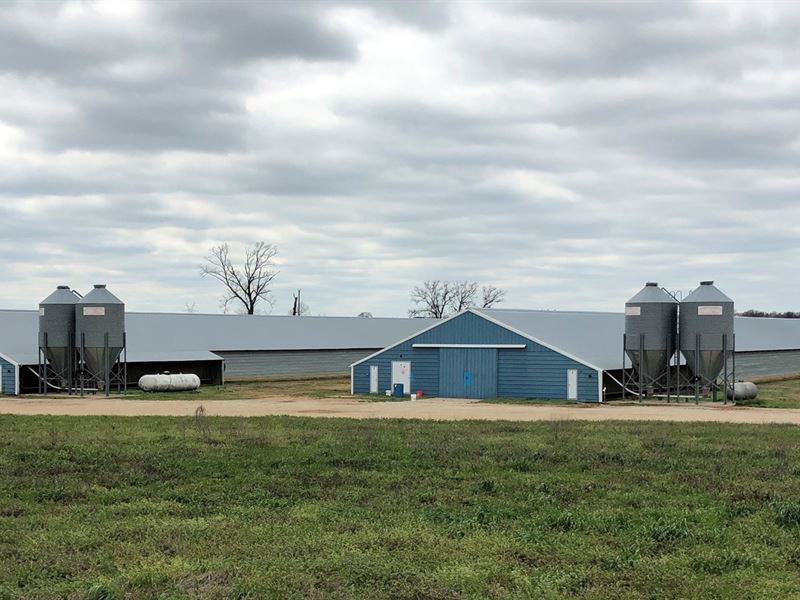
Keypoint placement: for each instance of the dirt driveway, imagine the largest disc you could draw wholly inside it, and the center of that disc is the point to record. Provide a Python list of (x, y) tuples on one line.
[(448, 410)]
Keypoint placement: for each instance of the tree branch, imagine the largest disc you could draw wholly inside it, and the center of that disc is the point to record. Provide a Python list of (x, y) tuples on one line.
[(247, 284)]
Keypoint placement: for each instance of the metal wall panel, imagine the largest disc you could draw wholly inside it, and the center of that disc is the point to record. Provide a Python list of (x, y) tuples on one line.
[(535, 372), (468, 373), (482, 367), (291, 362), (452, 362), (8, 377), (752, 365), (425, 371), (541, 373)]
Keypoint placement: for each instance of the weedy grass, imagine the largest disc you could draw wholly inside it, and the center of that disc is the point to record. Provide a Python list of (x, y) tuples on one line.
[(204, 507), (771, 394), (320, 387), (777, 394)]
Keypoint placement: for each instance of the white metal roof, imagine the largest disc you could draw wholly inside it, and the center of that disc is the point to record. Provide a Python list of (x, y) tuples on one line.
[(595, 338), (184, 336), (592, 338)]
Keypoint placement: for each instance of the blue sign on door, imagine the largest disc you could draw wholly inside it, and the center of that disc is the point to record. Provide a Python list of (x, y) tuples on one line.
[(467, 377)]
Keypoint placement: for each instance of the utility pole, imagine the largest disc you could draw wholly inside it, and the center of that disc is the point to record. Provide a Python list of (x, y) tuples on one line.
[(296, 308)]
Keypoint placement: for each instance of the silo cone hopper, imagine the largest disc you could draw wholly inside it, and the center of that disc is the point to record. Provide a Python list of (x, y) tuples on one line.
[(59, 363), (651, 363), (96, 364), (707, 365)]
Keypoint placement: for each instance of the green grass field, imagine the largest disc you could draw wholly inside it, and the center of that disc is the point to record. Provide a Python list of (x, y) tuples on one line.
[(772, 394), (160, 508), (320, 387), (777, 394)]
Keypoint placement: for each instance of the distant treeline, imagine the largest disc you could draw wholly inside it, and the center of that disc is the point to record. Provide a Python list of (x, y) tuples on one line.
[(775, 315)]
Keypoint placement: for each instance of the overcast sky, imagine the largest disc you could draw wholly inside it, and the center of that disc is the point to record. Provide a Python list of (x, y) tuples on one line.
[(567, 152)]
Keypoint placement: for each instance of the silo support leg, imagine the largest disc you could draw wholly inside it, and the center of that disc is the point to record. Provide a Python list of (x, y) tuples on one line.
[(697, 378), (725, 359), (106, 366), (641, 367)]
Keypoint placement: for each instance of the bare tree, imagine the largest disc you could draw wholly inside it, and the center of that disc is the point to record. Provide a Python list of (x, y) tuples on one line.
[(365, 315), (190, 307), (439, 298), (431, 300), (247, 284), (463, 295), (491, 296)]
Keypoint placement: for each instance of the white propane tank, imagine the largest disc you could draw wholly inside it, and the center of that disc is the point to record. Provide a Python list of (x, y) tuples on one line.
[(168, 382), (743, 390)]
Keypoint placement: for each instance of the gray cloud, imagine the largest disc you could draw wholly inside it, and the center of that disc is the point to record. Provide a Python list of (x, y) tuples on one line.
[(228, 33), (172, 77), (614, 39), (565, 151), (425, 14)]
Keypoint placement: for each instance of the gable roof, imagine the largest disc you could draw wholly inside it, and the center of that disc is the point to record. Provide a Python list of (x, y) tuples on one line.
[(176, 334), (595, 338), (432, 323), (520, 327), (588, 337)]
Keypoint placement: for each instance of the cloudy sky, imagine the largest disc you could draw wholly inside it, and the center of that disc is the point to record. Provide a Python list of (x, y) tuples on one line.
[(567, 152)]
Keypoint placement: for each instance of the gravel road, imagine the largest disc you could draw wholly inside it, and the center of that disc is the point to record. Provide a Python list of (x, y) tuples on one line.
[(447, 410)]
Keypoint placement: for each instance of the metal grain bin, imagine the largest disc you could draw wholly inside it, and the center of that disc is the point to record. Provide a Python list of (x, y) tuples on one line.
[(100, 325), (651, 320), (706, 324), (57, 330)]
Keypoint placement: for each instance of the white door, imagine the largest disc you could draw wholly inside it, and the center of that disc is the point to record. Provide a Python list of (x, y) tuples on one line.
[(373, 379), (572, 384), (401, 373)]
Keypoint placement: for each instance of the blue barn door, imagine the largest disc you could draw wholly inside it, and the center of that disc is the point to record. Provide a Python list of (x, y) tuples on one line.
[(468, 372), (451, 372), (482, 366)]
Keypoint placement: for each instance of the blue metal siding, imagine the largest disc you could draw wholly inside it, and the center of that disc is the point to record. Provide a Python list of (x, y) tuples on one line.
[(482, 367), (535, 372), (452, 362), (538, 372), (468, 372), (8, 377), (425, 371)]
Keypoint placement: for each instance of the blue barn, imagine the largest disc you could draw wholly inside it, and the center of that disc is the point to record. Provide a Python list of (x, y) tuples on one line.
[(8, 376), (487, 353)]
